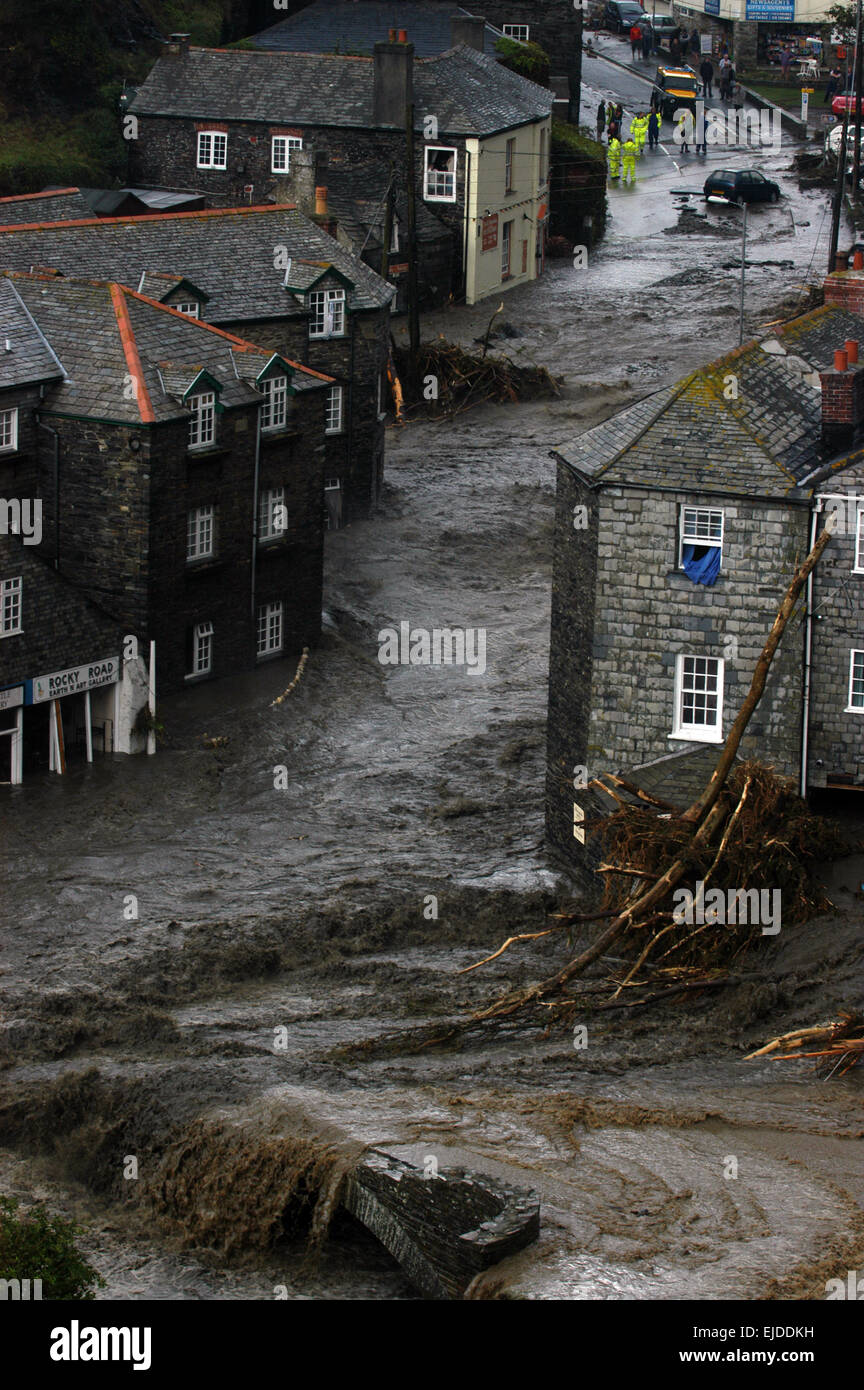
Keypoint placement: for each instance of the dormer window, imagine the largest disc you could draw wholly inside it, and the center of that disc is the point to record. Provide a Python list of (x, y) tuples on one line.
[(189, 307), (327, 314), (212, 149), (274, 411), (202, 426)]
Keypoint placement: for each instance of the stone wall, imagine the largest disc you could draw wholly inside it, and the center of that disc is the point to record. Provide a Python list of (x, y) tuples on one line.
[(836, 743), (612, 686)]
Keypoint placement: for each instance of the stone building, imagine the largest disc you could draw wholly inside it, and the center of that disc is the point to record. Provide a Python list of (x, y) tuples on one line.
[(180, 471), (270, 276), (679, 523), (240, 126)]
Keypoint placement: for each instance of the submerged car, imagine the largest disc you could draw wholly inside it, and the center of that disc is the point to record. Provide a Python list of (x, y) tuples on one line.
[(676, 89), (741, 186)]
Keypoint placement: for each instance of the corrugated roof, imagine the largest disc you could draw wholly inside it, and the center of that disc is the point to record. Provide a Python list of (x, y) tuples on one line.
[(751, 422), (229, 253), (468, 92)]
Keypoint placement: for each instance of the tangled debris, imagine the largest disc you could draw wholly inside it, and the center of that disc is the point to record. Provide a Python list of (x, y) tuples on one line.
[(298, 674), (447, 379), (747, 830), (837, 1047)]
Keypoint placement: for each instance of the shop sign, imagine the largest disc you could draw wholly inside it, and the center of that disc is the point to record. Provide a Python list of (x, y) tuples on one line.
[(490, 232), (87, 677), (768, 10), (12, 697)]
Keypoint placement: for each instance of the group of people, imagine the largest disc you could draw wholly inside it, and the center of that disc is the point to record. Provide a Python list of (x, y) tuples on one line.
[(622, 155), (683, 45), (642, 39)]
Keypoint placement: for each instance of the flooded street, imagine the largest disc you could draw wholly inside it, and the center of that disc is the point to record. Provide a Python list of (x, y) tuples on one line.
[(407, 844)]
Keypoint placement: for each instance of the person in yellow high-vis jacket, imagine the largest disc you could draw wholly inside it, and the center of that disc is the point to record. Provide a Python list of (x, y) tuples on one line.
[(614, 158), (628, 161), (639, 131)]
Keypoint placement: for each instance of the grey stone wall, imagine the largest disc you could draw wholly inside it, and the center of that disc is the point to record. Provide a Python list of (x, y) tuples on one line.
[(612, 685), (837, 736)]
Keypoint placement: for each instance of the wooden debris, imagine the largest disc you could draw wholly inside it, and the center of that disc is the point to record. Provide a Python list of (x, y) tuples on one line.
[(462, 379), (301, 667), (837, 1047)]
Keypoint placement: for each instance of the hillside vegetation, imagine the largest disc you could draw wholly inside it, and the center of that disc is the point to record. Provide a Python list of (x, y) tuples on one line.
[(64, 67)]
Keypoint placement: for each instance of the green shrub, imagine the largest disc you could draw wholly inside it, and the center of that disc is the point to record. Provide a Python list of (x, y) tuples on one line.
[(528, 59), (36, 1245)]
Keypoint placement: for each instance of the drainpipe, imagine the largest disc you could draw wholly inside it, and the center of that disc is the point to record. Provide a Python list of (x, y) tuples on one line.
[(255, 513), (56, 439), (466, 227), (808, 650), (350, 395)]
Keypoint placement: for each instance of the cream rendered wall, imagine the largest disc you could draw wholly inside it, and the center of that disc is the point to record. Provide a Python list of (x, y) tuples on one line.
[(486, 192)]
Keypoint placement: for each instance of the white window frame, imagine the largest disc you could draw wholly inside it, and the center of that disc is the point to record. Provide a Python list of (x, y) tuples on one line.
[(850, 708), (698, 531), (9, 430), (509, 161), (202, 651), (289, 144), (207, 150), (698, 733), (11, 607), (202, 426), (333, 412), (268, 528), (189, 307), (270, 629), (274, 411), (434, 180), (200, 533), (327, 314), (207, 157), (544, 176), (519, 32), (506, 250), (858, 567)]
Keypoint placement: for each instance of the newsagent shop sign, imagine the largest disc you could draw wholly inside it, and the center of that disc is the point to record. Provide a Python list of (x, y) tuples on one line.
[(87, 677)]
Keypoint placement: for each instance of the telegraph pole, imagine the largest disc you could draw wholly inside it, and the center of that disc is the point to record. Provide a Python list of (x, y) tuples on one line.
[(856, 158), (413, 310), (574, 67)]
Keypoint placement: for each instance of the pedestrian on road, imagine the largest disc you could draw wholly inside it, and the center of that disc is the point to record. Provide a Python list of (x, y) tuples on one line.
[(694, 43), (786, 61), (675, 50), (628, 160), (653, 130), (635, 41), (706, 72), (701, 143), (614, 156), (835, 81), (640, 132), (647, 40), (684, 119), (613, 129), (619, 116), (601, 119), (725, 68)]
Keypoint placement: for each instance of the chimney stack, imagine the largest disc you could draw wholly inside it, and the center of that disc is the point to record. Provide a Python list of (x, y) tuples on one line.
[(393, 83), (843, 398), (321, 201), (177, 46), (845, 289), (468, 29)]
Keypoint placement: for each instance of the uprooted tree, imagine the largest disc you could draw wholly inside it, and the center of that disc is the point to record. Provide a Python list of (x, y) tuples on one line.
[(748, 826)]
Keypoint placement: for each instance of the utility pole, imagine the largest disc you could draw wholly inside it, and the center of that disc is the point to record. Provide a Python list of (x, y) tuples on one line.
[(743, 267), (574, 69), (388, 225), (413, 310), (856, 159)]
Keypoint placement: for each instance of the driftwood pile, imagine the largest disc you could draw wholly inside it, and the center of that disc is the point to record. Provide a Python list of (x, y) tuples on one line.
[(447, 379), (837, 1047), (748, 829)]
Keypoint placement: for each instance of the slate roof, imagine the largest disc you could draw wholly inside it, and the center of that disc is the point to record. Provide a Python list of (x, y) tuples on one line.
[(31, 358), (107, 335), (765, 441), (469, 92), (347, 26), (227, 252), (53, 205), (356, 196)]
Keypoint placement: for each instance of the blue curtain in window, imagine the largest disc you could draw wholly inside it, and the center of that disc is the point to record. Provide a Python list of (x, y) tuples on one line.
[(704, 570)]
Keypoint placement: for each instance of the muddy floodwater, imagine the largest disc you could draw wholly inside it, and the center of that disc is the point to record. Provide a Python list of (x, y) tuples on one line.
[(193, 957)]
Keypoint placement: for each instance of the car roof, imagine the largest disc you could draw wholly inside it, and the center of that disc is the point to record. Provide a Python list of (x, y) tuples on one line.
[(677, 72)]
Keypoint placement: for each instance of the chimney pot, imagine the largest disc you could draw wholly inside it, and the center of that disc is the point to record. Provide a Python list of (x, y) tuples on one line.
[(403, 35), (841, 362), (321, 201), (392, 36), (851, 347), (858, 261)]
